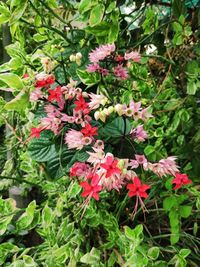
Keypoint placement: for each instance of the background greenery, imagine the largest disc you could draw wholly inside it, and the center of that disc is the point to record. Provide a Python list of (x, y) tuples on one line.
[(50, 231)]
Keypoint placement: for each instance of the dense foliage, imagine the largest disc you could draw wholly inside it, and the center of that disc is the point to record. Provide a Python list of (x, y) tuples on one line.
[(100, 99)]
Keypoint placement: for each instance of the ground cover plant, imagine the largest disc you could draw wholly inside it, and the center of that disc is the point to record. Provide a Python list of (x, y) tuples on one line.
[(100, 133)]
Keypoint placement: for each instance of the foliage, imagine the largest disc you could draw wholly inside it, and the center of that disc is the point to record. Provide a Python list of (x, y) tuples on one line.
[(57, 37)]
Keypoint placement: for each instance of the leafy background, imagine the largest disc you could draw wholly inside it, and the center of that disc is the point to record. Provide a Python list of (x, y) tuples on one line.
[(46, 228)]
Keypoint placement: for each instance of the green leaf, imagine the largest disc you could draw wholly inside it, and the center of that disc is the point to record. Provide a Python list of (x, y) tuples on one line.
[(4, 14), (169, 203), (27, 217), (185, 211), (19, 103), (42, 149), (47, 216), (84, 6), (178, 7), (12, 80), (117, 128), (184, 252), (87, 78), (191, 87), (96, 14), (133, 234), (93, 257), (174, 218), (153, 253), (39, 38), (113, 32), (149, 150), (18, 11)]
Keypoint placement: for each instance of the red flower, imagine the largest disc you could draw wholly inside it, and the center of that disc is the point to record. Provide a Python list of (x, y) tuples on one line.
[(110, 166), (93, 189), (89, 131), (25, 75), (35, 132), (55, 95), (180, 180), (81, 105), (137, 189), (44, 81), (119, 58)]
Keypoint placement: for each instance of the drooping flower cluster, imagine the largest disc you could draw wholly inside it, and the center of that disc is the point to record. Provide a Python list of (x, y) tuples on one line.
[(102, 56), (85, 115)]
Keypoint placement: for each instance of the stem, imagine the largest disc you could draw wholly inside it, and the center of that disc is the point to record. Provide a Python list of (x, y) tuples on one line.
[(17, 179)]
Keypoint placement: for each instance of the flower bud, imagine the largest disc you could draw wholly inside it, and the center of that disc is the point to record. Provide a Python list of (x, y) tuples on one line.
[(72, 58), (97, 115), (119, 109), (102, 116), (78, 55), (110, 109)]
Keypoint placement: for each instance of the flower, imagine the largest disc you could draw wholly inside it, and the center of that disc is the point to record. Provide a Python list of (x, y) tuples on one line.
[(110, 166), (74, 139), (97, 100), (89, 131), (93, 67), (35, 132), (120, 72), (91, 190), (137, 189), (135, 56), (141, 159), (80, 104), (180, 180), (139, 133), (163, 167), (44, 80), (101, 52), (55, 95), (79, 169), (35, 95)]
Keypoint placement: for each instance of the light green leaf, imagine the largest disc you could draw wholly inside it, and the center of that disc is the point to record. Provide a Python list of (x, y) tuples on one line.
[(96, 14), (12, 80), (88, 78), (19, 103), (93, 257), (27, 217), (185, 211), (153, 253)]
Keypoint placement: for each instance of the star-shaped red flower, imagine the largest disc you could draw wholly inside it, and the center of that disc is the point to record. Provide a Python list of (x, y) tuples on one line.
[(110, 166), (137, 189), (55, 95), (89, 131), (180, 180), (35, 132), (81, 105), (92, 190)]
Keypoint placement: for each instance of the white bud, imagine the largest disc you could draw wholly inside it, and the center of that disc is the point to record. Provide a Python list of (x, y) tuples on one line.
[(72, 58)]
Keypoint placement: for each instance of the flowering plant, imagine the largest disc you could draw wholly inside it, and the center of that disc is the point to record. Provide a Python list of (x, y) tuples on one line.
[(102, 135)]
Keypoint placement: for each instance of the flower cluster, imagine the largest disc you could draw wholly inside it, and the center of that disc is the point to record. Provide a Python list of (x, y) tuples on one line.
[(102, 57), (85, 114)]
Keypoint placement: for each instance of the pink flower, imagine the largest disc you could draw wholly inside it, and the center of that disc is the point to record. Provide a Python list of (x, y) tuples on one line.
[(79, 169), (91, 190), (35, 95), (145, 114), (97, 100), (93, 67), (141, 159), (135, 107), (139, 133), (180, 180), (135, 56), (120, 72), (164, 167), (74, 139), (110, 166), (96, 157), (51, 122), (134, 164), (137, 189), (101, 53)]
